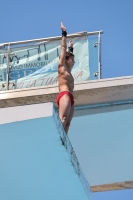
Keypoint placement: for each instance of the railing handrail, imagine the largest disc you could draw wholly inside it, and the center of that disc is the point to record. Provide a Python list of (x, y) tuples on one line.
[(78, 34)]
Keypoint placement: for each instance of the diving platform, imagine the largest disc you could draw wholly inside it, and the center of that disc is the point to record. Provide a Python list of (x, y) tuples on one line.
[(100, 132), (85, 93), (37, 158)]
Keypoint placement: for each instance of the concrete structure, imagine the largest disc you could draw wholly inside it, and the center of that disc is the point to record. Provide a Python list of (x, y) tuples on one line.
[(34, 161), (103, 137), (85, 93)]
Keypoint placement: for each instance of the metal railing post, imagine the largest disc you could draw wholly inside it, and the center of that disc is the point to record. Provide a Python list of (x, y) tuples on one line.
[(7, 70), (99, 56)]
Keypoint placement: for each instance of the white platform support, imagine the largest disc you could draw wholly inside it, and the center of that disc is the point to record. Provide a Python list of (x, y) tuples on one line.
[(37, 158), (104, 109)]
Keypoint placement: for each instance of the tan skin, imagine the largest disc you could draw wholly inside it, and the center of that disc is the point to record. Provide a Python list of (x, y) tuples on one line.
[(65, 83)]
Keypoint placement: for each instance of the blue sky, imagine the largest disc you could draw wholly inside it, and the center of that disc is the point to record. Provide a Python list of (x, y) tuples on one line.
[(22, 20)]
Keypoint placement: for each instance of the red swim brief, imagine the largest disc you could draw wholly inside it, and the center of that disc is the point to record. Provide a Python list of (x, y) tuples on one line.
[(62, 93)]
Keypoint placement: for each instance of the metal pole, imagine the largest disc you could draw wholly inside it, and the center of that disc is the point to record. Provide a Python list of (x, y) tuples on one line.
[(7, 70), (99, 64), (78, 34), (100, 59)]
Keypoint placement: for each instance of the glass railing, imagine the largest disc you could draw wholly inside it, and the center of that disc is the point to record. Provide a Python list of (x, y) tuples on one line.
[(93, 58), (36, 64), (3, 69)]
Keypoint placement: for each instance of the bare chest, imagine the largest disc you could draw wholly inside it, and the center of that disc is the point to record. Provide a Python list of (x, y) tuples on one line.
[(64, 73)]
